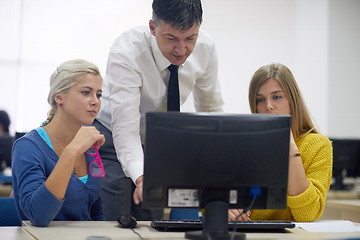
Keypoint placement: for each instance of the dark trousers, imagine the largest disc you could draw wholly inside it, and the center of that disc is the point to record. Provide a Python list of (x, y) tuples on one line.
[(116, 188)]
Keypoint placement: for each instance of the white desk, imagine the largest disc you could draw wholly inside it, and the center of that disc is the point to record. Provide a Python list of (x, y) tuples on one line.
[(14, 233), (344, 209), (81, 230), (343, 195)]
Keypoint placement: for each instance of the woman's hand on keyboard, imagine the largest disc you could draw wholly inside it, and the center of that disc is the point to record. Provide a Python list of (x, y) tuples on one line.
[(238, 215)]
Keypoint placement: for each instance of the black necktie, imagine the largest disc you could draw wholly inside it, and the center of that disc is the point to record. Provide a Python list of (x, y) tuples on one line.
[(173, 99)]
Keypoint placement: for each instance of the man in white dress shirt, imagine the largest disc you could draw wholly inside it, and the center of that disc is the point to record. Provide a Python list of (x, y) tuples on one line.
[(136, 82)]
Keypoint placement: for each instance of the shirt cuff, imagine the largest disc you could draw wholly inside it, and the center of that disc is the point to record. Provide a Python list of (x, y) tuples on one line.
[(304, 198), (135, 170)]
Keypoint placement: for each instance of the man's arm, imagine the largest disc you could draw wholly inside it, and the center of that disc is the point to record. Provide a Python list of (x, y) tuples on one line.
[(207, 92), (124, 85)]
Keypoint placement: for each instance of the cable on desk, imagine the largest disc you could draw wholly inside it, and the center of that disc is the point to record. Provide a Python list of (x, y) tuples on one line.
[(139, 235), (254, 192)]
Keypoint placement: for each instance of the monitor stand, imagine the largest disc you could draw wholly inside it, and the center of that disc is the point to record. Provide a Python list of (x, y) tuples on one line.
[(215, 224), (339, 185)]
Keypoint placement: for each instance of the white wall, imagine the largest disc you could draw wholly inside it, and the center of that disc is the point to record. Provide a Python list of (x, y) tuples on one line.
[(38, 35), (253, 33), (344, 66)]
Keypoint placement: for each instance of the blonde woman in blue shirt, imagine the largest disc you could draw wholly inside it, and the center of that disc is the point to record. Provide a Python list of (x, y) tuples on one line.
[(51, 180)]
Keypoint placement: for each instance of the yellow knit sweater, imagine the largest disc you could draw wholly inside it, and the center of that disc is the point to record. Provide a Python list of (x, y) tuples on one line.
[(316, 155)]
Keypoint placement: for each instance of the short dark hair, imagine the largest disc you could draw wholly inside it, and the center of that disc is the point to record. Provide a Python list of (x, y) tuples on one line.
[(180, 14), (4, 120)]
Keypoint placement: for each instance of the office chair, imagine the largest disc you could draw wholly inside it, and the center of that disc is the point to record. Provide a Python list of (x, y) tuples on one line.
[(8, 213)]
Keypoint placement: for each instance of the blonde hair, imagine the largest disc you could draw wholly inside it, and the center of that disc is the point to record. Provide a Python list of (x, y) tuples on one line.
[(301, 122), (64, 77)]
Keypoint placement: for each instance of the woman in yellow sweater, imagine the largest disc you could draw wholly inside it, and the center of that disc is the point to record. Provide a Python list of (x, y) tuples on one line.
[(273, 90)]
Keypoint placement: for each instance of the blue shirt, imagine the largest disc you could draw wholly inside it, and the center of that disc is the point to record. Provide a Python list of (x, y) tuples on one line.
[(41, 131), (33, 161)]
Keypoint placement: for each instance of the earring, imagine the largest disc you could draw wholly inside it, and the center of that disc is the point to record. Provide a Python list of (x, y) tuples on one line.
[(60, 104)]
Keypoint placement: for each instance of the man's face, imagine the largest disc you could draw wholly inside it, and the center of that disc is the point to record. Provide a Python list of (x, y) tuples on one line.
[(175, 45)]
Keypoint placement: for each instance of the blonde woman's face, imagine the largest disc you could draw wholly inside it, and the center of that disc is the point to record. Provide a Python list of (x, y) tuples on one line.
[(271, 98), (82, 101)]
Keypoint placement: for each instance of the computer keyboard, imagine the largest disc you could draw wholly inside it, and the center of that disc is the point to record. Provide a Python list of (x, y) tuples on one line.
[(188, 225)]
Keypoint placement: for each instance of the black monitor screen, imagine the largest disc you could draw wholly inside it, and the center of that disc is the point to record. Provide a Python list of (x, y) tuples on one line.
[(193, 159), (19, 135), (346, 161), (6, 143)]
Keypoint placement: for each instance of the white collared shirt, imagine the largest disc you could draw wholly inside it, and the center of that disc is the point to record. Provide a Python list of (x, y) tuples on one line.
[(136, 82)]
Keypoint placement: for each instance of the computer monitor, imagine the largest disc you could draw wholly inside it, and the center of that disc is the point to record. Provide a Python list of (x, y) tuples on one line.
[(19, 135), (346, 161), (6, 143), (215, 162)]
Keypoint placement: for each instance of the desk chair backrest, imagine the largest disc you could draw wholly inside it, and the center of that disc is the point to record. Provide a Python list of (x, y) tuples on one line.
[(8, 213)]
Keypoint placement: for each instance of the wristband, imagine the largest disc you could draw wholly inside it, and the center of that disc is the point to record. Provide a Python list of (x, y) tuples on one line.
[(295, 155)]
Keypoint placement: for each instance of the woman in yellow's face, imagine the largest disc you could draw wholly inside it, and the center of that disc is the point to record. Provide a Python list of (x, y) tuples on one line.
[(272, 99)]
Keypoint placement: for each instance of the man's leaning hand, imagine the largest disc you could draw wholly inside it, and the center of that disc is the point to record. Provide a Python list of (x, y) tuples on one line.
[(138, 190)]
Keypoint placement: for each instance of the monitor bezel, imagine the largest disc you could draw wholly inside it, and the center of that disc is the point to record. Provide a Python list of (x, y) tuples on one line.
[(159, 177)]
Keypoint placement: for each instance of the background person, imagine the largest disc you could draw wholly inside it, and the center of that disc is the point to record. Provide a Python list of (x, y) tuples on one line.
[(137, 82), (273, 90), (4, 123), (6, 143), (51, 178)]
